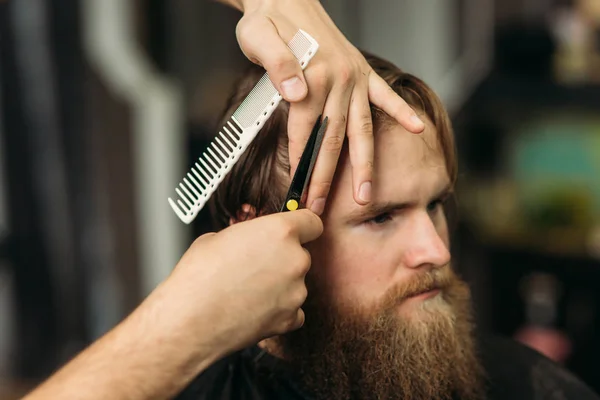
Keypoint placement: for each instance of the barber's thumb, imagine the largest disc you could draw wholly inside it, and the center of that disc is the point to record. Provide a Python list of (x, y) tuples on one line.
[(293, 89)]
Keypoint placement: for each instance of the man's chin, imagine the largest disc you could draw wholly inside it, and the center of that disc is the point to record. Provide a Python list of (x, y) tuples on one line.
[(418, 348)]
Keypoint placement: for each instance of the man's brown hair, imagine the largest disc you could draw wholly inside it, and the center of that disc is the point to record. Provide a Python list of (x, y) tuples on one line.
[(260, 176)]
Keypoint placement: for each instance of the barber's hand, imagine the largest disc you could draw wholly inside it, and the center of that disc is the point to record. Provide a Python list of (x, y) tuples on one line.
[(229, 290), (249, 278), (337, 83)]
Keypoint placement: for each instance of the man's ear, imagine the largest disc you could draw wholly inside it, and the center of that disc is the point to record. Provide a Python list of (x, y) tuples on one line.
[(246, 212)]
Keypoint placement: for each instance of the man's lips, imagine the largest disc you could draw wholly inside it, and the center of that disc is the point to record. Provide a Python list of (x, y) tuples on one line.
[(425, 293)]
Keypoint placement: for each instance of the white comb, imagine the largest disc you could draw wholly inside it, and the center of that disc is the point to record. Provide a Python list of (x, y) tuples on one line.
[(233, 139)]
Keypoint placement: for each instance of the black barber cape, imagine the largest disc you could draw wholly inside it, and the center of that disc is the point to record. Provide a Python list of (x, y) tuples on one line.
[(515, 372)]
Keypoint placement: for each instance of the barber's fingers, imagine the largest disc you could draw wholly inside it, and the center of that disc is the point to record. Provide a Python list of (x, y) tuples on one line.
[(294, 322), (300, 318), (384, 97), (303, 116), (336, 110), (265, 44), (361, 143), (304, 224)]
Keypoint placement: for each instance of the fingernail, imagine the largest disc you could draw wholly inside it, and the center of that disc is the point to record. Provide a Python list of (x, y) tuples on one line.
[(318, 206), (416, 120), (364, 192), (293, 89)]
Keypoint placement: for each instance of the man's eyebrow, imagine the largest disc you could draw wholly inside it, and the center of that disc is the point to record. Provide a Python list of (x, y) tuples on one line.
[(447, 190), (374, 209)]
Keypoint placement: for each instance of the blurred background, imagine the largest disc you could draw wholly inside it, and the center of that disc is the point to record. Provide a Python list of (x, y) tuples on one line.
[(104, 104)]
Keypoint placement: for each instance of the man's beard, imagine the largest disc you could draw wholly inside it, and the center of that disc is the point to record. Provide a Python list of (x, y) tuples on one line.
[(345, 352)]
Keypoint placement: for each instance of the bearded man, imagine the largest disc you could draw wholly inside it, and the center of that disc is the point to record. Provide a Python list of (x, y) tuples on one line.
[(386, 315)]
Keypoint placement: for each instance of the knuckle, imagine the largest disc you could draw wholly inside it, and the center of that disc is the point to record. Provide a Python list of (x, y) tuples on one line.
[(366, 126), (289, 324), (298, 298), (317, 77), (240, 29), (333, 143), (301, 296), (300, 320), (244, 31), (321, 189), (296, 140), (283, 63), (295, 322), (345, 76), (320, 84), (307, 257), (304, 261), (286, 230), (339, 122), (299, 266)]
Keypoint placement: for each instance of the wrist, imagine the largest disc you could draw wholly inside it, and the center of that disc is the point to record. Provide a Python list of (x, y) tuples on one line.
[(182, 319)]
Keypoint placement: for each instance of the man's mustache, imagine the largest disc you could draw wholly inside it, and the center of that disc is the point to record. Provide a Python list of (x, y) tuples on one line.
[(438, 278)]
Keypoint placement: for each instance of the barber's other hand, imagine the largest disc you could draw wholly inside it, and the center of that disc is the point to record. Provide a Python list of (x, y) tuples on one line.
[(338, 83), (249, 278)]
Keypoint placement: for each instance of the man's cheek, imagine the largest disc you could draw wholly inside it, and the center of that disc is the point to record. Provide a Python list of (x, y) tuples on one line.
[(352, 267)]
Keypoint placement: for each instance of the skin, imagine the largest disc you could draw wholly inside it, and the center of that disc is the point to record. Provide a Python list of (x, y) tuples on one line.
[(177, 331), (198, 314), (366, 250), (165, 343), (338, 83)]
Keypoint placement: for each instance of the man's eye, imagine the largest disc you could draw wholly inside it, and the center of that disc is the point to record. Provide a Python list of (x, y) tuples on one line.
[(437, 204), (433, 206), (380, 219)]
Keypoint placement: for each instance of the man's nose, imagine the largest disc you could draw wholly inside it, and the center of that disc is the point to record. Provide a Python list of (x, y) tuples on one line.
[(424, 246)]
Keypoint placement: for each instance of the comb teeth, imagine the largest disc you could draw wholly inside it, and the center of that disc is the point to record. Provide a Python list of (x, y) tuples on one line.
[(233, 139), (199, 183)]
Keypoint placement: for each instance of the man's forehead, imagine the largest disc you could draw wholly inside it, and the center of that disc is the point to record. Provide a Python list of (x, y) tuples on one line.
[(426, 143), (400, 153), (407, 167)]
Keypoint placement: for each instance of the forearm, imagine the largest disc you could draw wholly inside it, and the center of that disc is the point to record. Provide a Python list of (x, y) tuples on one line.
[(147, 356)]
